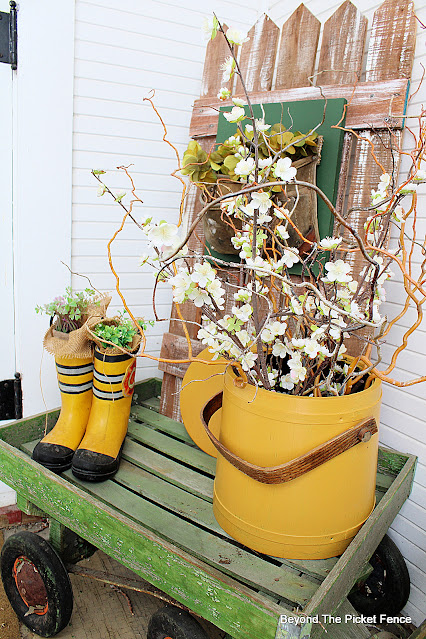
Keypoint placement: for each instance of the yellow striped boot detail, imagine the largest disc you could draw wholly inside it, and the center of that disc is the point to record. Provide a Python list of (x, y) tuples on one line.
[(98, 455), (75, 380)]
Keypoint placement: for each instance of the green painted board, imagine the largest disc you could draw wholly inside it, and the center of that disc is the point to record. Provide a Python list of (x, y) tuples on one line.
[(161, 423), (216, 551), (189, 455)]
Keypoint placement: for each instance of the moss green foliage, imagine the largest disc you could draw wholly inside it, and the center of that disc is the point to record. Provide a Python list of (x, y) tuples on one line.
[(203, 168), (69, 309)]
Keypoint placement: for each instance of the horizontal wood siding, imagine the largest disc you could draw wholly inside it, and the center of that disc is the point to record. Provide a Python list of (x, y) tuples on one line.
[(123, 49), (403, 413)]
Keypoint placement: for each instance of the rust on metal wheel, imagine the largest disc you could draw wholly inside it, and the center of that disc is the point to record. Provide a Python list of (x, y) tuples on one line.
[(30, 585)]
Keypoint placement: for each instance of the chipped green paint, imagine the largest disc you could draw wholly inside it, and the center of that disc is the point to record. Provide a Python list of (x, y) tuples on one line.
[(203, 589)]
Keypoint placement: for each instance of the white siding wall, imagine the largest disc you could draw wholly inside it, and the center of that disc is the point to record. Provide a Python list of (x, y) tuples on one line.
[(122, 51), (404, 410)]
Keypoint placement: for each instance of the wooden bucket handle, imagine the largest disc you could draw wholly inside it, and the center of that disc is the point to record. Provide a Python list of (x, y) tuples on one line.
[(360, 433)]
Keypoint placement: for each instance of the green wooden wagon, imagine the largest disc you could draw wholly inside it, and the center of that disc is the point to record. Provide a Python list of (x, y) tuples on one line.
[(155, 517)]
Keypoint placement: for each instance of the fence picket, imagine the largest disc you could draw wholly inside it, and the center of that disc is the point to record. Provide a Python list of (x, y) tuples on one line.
[(298, 49), (392, 41), (258, 55), (342, 46)]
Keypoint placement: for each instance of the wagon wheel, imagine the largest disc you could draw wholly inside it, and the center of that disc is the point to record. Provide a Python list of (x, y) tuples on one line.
[(172, 623), (36, 583), (387, 588)]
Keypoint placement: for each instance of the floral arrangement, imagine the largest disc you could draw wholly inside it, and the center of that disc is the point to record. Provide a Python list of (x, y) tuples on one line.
[(287, 334), (69, 309)]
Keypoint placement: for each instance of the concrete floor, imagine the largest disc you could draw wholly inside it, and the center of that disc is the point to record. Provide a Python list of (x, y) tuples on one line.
[(100, 611)]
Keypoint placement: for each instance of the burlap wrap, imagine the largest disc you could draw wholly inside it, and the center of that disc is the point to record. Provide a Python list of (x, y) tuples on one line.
[(76, 343), (111, 350)]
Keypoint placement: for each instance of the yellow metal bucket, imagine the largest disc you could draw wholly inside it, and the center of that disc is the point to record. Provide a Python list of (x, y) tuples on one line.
[(316, 515)]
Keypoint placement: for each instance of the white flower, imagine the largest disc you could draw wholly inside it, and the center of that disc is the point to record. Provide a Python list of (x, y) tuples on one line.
[(258, 263), (289, 258), (296, 306), (283, 170), (242, 295), (286, 382), (330, 242), (282, 232), (280, 213), (264, 163), (101, 190), (244, 337), (278, 328), (267, 335), (263, 219), (248, 360), (261, 201), (245, 167), (260, 126), (223, 94), (236, 115), (377, 196), (236, 37), (311, 348), (408, 188), (228, 68), (210, 28), (215, 289), (384, 182), (199, 297), (343, 293), (238, 102), (297, 370), (248, 210), (352, 286), (338, 271), (243, 312), (398, 214), (119, 195), (202, 274), (279, 349), (181, 284), (206, 337), (420, 176), (163, 234)]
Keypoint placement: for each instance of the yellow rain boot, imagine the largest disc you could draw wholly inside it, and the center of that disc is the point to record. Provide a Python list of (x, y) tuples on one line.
[(75, 378), (98, 456)]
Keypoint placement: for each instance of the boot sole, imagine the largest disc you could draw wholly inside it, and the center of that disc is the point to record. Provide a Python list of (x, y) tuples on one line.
[(55, 468), (87, 475)]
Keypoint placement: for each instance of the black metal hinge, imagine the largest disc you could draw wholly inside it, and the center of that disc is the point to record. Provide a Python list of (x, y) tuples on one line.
[(9, 36), (11, 398)]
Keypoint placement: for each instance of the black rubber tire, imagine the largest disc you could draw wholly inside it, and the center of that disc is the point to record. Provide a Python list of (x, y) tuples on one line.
[(174, 623), (30, 549), (387, 589)]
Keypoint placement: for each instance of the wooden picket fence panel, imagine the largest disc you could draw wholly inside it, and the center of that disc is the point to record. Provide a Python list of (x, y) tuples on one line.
[(374, 109)]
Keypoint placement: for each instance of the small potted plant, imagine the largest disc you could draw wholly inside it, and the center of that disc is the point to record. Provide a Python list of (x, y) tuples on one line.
[(116, 342)]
